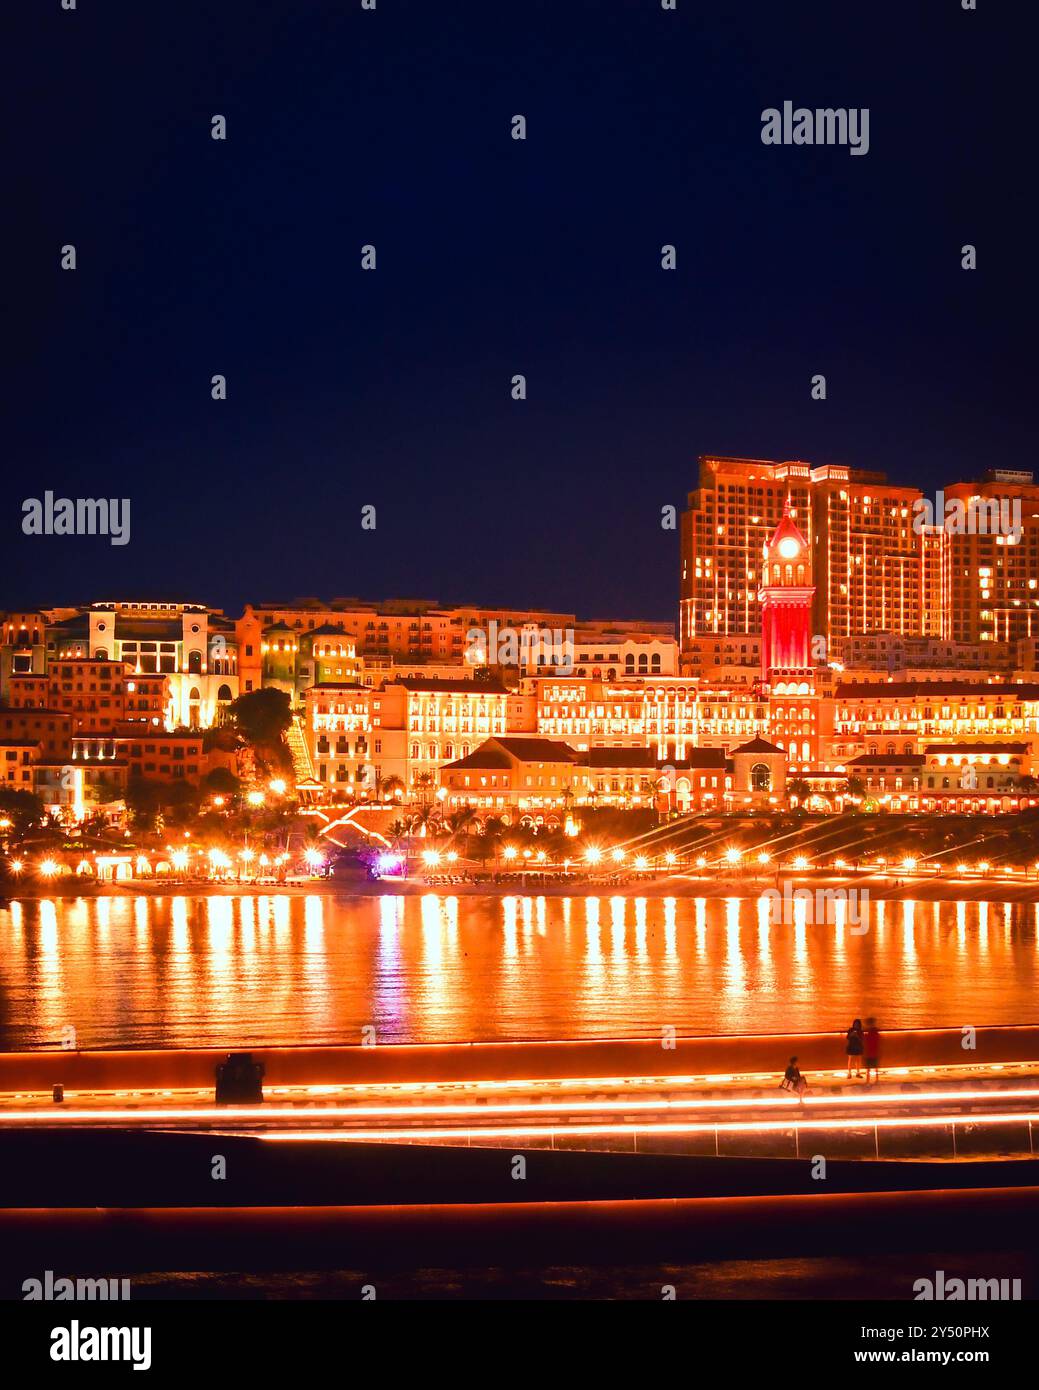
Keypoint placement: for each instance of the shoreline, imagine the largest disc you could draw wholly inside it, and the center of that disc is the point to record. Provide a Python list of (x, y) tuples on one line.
[(881, 888)]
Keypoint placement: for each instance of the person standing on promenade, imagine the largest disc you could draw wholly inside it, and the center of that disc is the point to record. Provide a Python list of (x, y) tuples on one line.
[(871, 1046), (853, 1047)]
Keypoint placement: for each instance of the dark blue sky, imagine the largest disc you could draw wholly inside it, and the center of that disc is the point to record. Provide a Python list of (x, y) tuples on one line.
[(495, 256)]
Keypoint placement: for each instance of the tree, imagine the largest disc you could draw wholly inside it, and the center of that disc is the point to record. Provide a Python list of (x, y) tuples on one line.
[(855, 787), (798, 788), (181, 799), (23, 809), (390, 786), (424, 820), (261, 717), (461, 820), (144, 797), (220, 782)]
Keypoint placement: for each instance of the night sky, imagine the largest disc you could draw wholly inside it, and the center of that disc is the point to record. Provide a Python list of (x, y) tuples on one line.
[(495, 257)]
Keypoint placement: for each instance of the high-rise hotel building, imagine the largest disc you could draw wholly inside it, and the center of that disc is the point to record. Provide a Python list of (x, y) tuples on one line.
[(859, 527), (881, 563), (991, 571)]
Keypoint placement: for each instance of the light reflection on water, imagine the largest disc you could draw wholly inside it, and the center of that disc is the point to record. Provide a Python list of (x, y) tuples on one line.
[(209, 970)]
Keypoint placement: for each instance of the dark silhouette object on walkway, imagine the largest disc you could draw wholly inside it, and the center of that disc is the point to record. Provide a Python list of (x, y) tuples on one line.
[(793, 1080), (871, 1045), (239, 1080)]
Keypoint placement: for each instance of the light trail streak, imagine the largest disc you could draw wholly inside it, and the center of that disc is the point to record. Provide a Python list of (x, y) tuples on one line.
[(546, 1108), (723, 1127)]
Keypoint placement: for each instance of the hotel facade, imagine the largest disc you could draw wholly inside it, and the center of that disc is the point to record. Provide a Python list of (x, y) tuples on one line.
[(864, 656)]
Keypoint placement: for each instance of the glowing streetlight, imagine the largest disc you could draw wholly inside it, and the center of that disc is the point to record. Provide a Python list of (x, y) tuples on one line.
[(617, 856), (509, 852), (641, 862), (246, 856), (541, 856), (801, 862), (733, 855), (764, 857), (701, 862), (49, 868), (452, 856), (593, 854), (314, 858), (218, 859), (17, 865), (909, 864), (255, 798), (670, 858), (179, 859), (431, 857), (278, 785)]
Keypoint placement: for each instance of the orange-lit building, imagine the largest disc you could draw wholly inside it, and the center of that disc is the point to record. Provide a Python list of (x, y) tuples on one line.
[(359, 737), (17, 756), (51, 729), (96, 694), (865, 552), (160, 755), (544, 779), (990, 575)]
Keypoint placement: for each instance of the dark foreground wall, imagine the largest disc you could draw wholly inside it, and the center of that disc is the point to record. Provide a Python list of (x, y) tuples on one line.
[(603, 1234), (113, 1168)]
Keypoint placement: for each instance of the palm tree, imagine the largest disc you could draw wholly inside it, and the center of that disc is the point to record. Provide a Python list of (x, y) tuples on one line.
[(461, 821), (798, 787), (490, 840), (390, 786), (424, 819)]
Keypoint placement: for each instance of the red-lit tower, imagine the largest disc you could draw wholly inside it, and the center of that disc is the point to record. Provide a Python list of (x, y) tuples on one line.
[(786, 595)]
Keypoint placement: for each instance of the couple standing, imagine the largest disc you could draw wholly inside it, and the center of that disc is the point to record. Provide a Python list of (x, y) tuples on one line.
[(863, 1045)]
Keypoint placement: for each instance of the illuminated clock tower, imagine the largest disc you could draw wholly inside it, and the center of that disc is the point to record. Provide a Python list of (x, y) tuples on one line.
[(786, 595)]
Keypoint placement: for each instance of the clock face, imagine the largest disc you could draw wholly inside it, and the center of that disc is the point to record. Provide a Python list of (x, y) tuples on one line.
[(789, 547)]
